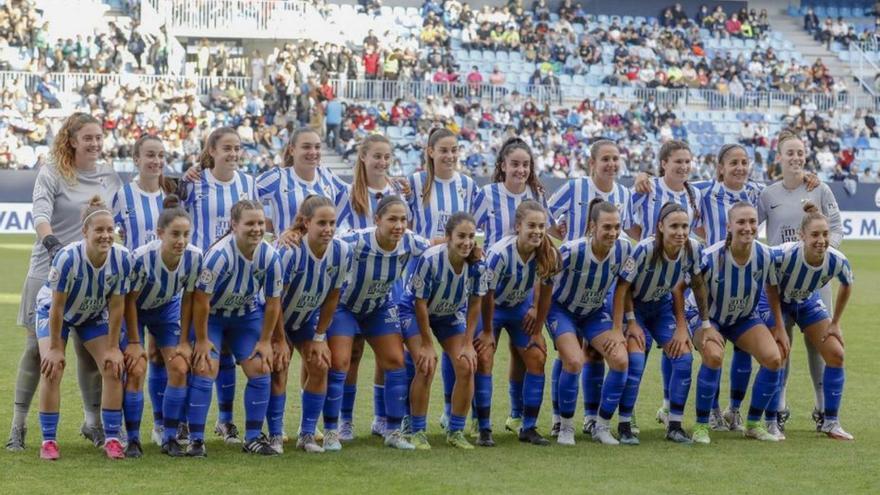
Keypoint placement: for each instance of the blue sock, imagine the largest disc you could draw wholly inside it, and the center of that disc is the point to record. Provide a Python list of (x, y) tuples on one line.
[(275, 414), (419, 423), (633, 380), (707, 390), (395, 398), (554, 385), (447, 370), (256, 402), (568, 393), (483, 400), (679, 385), (379, 401), (592, 376), (740, 374), (612, 390), (715, 403), (200, 390), (456, 422), (49, 425), (172, 410), (157, 382), (533, 395), (112, 419), (312, 404), (766, 386), (515, 390), (333, 400), (775, 403), (832, 385), (133, 407), (226, 388), (349, 394), (666, 373), (410, 366)]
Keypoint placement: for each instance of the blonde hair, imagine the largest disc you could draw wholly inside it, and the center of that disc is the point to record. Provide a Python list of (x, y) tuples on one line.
[(811, 212), (95, 206), (360, 201), (784, 136), (62, 151)]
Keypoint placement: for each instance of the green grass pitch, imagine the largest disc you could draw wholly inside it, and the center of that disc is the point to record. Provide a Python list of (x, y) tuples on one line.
[(805, 462)]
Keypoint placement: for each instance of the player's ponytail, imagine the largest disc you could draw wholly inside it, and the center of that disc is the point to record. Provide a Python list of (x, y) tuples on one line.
[(434, 136), (171, 211), (307, 211), (811, 212), (454, 221), (548, 257)]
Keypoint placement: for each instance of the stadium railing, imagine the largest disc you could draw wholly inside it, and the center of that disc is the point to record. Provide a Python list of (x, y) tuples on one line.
[(863, 66), (74, 81), (233, 18)]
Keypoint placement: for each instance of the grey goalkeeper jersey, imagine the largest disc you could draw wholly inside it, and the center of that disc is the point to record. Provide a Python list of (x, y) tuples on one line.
[(61, 205), (784, 210)]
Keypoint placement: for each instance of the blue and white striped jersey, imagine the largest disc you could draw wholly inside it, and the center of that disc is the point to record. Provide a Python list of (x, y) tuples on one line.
[(434, 280), (646, 207), (734, 290), (495, 210), (654, 281), (237, 285), (716, 200), (308, 279), (209, 202), (511, 277), (447, 197), (571, 202), (798, 279), (373, 270), (283, 191), (136, 213), (582, 285), (351, 220), (158, 285), (88, 287)]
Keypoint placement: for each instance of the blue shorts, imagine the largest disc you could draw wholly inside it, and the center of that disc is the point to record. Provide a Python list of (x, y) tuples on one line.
[(510, 318), (163, 324), (306, 331), (87, 331), (657, 320), (384, 320), (561, 321), (736, 329), (238, 334), (443, 327), (803, 314)]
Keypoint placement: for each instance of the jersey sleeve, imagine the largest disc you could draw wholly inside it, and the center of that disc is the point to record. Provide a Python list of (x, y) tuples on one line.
[(419, 244), (421, 283), (267, 183), (123, 283), (832, 212), (345, 257), (194, 271), (560, 201), (697, 252), (61, 272), (634, 263), (844, 272), (286, 258), (495, 264), (45, 189), (477, 279), (637, 202), (565, 257), (274, 285), (189, 194), (212, 271), (251, 187), (116, 207), (481, 208), (772, 277), (138, 274), (626, 211)]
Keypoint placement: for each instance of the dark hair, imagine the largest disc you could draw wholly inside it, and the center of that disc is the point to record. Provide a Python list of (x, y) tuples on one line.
[(360, 202), (235, 213), (598, 206), (727, 148), (435, 134), (167, 185), (206, 161), (286, 156), (667, 209), (668, 148), (454, 221), (509, 146), (387, 202), (811, 213), (307, 210), (547, 255), (736, 206), (171, 210)]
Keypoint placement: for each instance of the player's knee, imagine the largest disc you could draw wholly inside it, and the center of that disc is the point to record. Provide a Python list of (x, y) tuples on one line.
[(772, 361), (712, 356), (573, 363), (340, 363), (485, 362), (618, 360), (534, 361), (177, 368), (834, 357)]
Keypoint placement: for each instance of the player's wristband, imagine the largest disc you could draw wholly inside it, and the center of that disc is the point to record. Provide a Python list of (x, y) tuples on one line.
[(705, 325), (52, 245), (630, 316), (319, 337)]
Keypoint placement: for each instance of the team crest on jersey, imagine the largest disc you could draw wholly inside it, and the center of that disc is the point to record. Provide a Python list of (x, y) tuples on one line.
[(206, 277), (824, 280), (489, 275), (417, 282), (54, 275), (629, 265)]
